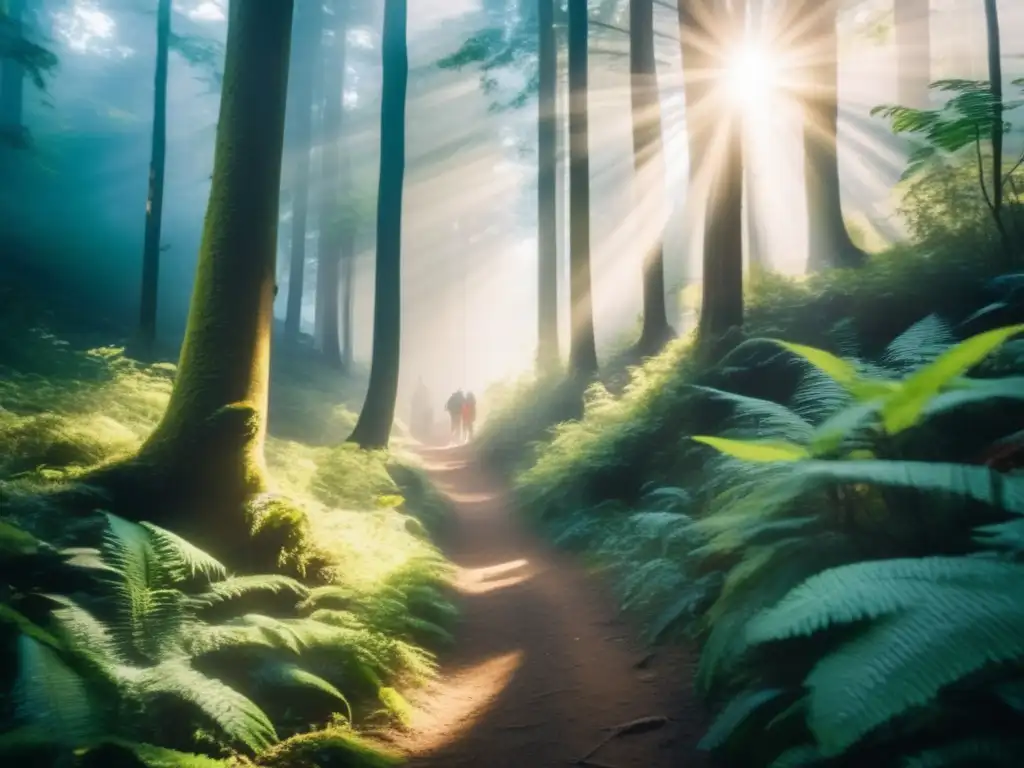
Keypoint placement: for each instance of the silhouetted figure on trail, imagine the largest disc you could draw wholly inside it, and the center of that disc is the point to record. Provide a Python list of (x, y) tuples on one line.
[(468, 415), (454, 408), (422, 415)]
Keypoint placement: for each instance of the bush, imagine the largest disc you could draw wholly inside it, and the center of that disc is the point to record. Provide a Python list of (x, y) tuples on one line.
[(146, 652), (847, 560)]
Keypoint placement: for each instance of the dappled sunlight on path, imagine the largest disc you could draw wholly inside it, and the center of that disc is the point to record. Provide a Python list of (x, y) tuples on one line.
[(542, 662)]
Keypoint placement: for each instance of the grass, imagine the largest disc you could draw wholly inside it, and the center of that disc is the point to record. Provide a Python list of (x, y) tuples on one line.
[(69, 404)]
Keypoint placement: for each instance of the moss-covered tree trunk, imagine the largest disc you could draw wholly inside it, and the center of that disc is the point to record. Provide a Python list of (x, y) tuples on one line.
[(649, 169), (12, 77), (912, 21), (582, 346), (373, 430), (309, 28), (331, 201), (828, 240), (205, 458), (155, 191), (548, 355)]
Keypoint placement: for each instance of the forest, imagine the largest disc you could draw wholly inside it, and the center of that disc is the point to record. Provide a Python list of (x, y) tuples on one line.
[(738, 286)]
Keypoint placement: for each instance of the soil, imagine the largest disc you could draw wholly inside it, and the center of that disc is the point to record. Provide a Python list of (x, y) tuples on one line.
[(543, 666)]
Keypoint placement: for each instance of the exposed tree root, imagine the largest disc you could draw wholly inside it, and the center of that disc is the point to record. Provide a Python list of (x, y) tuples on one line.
[(640, 725)]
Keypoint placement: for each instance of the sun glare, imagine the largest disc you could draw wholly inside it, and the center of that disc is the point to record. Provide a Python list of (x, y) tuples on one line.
[(751, 76)]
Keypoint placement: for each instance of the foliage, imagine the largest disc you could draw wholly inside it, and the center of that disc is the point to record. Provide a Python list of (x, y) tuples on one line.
[(965, 122), (155, 654), (847, 551)]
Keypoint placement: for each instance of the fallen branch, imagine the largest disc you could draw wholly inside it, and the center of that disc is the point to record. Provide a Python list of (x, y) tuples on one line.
[(640, 725)]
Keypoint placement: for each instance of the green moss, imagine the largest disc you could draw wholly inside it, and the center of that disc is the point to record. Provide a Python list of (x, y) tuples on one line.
[(331, 748)]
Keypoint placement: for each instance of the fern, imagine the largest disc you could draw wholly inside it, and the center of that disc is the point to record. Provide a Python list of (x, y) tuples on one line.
[(49, 695), (239, 718), (941, 620), (287, 674)]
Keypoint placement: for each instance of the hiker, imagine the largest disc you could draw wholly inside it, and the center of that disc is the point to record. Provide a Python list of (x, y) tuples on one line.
[(468, 415), (454, 408)]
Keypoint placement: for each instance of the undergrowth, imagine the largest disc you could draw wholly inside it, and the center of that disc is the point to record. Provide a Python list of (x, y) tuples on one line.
[(147, 652), (829, 509)]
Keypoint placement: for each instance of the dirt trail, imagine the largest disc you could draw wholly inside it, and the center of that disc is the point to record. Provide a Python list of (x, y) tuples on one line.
[(543, 665)]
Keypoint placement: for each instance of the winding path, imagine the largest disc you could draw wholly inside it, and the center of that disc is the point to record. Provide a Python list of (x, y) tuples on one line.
[(543, 665)]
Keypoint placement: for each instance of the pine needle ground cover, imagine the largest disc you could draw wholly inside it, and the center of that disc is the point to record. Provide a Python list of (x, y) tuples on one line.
[(142, 649), (831, 511)]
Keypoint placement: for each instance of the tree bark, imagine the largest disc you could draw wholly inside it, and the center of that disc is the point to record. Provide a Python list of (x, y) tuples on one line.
[(373, 430), (695, 36), (204, 460), (548, 355), (648, 164), (12, 79), (828, 241), (912, 19), (704, 36), (331, 211), (995, 78), (155, 193), (309, 20), (583, 347)]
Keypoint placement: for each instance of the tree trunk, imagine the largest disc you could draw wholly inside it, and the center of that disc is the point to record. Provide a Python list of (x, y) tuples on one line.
[(348, 276), (310, 28), (705, 43), (155, 194), (648, 164), (331, 211), (373, 429), (205, 458), (583, 347), (695, 36), (912, 19), (828, 241), (12, 79), (548, 355), (995, 78)]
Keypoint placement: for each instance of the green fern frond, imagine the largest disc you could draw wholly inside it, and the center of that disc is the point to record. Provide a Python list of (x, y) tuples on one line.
[(843, 372), (974, 392), (969, 481), (736, 712), (919, 345), (186, 559), (203, 639), (764, 577), (903, 408), (235, 587), (754, 450), (47, 693), (85, 631), (287, 674), (22, 624), (1005, 537), (237, 716), (874, 589), (330, 596), (944, 618), (818, 396), (764, 416)]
